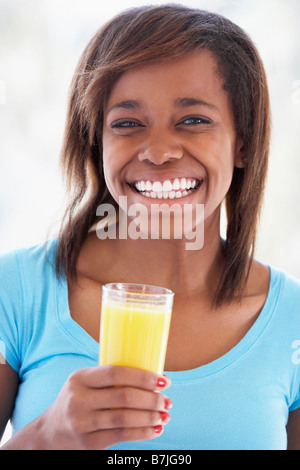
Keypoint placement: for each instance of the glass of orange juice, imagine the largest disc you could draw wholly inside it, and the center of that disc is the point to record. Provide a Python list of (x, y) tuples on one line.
[(134, 327)]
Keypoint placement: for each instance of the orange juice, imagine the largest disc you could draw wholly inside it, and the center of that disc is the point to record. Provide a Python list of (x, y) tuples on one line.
[(134, 335)]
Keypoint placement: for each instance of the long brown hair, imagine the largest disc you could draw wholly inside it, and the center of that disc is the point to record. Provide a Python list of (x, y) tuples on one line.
[(154, 34)]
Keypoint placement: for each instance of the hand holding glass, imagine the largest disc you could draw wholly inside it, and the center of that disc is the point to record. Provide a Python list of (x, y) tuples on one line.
[(135, 322)]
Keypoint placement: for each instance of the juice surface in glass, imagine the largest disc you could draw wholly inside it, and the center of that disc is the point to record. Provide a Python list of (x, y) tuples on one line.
[(134, 335)]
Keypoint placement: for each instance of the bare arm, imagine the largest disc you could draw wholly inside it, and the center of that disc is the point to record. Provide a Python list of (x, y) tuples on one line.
[(293, 430), (9, 382)]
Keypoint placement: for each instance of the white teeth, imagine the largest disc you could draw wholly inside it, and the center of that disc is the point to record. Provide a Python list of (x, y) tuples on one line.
[(183, 183), (167, 186), (176, 184), (166, 194), (157, 186), (167, 189)]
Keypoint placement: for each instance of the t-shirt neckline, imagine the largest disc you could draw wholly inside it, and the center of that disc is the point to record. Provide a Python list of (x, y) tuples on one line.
[(86, 342)]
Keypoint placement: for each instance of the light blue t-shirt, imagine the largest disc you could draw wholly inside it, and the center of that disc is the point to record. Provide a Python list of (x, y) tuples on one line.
[(240, 401)]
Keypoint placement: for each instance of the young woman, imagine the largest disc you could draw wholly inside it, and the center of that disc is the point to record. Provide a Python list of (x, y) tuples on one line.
[(168, 104)]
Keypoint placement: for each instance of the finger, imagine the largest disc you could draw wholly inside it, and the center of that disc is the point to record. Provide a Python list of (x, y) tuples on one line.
[(106, 438), (109, 376), (127, 397), (124, 418)]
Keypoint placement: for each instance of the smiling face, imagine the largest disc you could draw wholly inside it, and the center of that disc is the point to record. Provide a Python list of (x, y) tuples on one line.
[(169, 136)]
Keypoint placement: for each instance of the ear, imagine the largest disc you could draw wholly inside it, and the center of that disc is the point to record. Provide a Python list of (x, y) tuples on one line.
[(239, 153)]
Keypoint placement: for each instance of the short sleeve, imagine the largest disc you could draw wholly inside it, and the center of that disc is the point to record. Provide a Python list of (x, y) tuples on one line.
[(296, 404), (296, 400), (296, 381), (10, 309)]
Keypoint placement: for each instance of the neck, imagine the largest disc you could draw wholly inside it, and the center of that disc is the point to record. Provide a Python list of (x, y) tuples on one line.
[(168, 263)]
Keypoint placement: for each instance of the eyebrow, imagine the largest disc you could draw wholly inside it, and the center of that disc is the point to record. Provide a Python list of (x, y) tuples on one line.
[(127, 104), (178, 103), (187, 102)]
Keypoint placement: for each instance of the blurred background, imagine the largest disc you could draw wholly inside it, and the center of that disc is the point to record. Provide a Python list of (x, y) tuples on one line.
[(40, 44)]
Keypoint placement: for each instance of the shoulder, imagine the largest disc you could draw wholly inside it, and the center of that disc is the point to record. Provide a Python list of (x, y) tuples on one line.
[(25, 282), (277, 290), (288, 285), (284, 302), (24, 269), (273, 281), (35, 256)]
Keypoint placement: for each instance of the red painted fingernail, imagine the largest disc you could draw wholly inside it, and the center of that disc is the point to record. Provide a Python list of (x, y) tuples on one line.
[(168, 404), (161, 382), (158, 429), (165, 417)]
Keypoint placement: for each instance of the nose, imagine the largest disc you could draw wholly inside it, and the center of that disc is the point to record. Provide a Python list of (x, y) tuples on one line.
[(160, 148)]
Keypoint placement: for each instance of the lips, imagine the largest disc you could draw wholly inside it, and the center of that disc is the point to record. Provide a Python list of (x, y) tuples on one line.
[(168, 189)]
